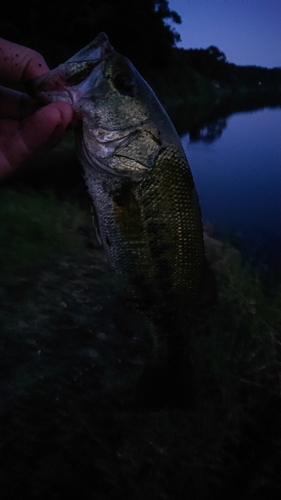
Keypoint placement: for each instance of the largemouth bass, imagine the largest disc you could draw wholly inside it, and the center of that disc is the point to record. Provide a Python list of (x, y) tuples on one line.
[(145, 202)]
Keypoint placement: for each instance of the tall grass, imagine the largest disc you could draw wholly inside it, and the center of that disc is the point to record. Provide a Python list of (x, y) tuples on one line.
[(242, 350)]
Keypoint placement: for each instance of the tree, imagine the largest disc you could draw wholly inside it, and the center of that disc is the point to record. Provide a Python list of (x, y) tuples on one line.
[(138, 28)]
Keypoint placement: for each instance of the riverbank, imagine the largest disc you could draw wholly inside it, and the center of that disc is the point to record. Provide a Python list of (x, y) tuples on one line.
[(199, 86), (69, 422)]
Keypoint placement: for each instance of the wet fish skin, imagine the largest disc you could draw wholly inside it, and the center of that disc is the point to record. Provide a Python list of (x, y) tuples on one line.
[(144, 198)]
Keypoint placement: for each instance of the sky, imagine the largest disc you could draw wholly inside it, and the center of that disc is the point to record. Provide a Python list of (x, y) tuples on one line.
[(247, 31)]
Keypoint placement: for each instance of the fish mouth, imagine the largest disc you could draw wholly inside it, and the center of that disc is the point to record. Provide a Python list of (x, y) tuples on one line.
[(63, 83)]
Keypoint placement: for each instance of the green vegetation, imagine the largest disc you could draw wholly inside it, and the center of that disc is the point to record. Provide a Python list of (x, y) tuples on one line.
[(70, 420), (34, 228), (249, 314)]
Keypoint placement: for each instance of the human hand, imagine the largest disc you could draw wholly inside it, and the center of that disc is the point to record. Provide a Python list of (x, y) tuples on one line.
[(26, 131)]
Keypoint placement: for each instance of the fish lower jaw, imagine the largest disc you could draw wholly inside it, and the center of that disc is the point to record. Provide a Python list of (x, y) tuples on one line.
[(65, 95), (49, 96)]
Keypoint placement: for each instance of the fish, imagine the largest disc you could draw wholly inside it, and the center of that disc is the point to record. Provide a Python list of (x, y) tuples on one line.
[(146, 208)]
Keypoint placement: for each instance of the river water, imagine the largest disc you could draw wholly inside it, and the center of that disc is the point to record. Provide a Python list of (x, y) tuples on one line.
[(236, 165)]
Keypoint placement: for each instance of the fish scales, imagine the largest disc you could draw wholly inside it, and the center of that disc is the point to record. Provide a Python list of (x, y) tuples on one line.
[(151, 233), (143, 194)]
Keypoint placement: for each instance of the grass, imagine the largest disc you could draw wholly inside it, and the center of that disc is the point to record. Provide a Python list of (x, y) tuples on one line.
[(34, 227), (70, 362), (245, 326)]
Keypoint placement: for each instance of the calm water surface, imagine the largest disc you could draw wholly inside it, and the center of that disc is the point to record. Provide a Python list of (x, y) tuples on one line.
[(238, 179)]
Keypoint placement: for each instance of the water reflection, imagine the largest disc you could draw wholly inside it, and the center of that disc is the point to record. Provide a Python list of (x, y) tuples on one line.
[(208, 133), (236, 164)]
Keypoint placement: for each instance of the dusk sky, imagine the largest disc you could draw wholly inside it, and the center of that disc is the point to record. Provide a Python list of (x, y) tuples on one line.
[(247, 31)]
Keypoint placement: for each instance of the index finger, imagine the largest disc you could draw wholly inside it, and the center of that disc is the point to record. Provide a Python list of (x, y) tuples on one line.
[(19, 63)]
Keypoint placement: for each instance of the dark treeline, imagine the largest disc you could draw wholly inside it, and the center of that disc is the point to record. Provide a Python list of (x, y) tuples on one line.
[(229, 78), (193, 83), (235, 88), (59, 28)]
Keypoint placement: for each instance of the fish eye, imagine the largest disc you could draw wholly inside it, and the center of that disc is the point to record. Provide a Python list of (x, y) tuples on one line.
[(124, 84)]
